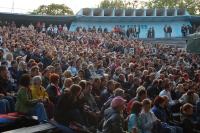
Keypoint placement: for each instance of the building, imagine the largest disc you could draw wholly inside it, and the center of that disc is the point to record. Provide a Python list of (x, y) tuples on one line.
[(123, 18)]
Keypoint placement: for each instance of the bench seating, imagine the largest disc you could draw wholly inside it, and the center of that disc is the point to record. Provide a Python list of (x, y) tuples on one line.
[(33, 129)]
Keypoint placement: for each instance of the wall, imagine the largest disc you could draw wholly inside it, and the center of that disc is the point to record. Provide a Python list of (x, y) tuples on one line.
[(158, 26)]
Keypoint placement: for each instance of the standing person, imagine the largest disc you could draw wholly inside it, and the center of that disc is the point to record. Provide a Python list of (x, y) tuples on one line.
[(169, 31), (183, 31), (25, 104), (138, 31), (134, 31), (165, 31), (65, 29), (153, 32)]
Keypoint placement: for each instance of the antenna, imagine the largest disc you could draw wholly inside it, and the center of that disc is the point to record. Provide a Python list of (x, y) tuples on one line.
[(13, 5)]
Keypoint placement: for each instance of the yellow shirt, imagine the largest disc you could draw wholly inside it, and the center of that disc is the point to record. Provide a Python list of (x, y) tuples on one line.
[(39, 93)]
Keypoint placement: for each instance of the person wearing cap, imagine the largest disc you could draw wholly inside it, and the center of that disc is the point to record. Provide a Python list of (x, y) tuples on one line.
[(116, 92), (113, 118)]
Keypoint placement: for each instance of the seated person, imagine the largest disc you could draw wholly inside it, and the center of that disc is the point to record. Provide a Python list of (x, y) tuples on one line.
[(90, 107), (53, 88), (189, 97), (148, 121), (66, 85), (6, 89), (113, 118), (140, 96), (39, 92), (67, 107), (25, 104), (161, 113), (186, 118), (133, 121)]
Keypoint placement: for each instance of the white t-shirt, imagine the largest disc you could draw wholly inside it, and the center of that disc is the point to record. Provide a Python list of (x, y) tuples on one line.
[(168, 94)]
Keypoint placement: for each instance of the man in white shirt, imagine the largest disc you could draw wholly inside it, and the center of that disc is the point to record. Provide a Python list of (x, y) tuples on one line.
[(166, 92)]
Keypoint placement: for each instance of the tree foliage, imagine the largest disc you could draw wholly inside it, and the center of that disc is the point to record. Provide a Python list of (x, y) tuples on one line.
[(192, 6), (53, 9), (120, 4)]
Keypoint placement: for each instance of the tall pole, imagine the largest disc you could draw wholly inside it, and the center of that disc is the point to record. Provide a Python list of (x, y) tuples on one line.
[(13, 5)]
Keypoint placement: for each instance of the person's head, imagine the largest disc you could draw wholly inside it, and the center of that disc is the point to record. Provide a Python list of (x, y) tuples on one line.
[(136, 108), (155, 82), (167, 84), (159, 102), (76, 79), (141, 93), (81, 74), (166, 101), (187, 109), (4, 72), (136, 81), (54, 78), (84, 66), (145, 73), (35, 71), (96, 83), (22, 66), (67, 74), (180, 88), (118, 103), (25, 80), (37, 81), (122, 77), (130, 78), (146, 105), (89, 86), (75, 91), (110, 85), (118, 92), (9, 57), (14, 64), (82, 84), (68, 82)]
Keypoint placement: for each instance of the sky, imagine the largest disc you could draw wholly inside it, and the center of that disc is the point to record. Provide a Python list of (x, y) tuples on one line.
[(24, 6)]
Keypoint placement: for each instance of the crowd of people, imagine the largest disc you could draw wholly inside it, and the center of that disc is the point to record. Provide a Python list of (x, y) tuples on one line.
[(96, 80)]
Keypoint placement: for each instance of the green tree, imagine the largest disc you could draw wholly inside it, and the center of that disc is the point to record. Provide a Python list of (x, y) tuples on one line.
[(192, 6), (120, 4), (53, 9)]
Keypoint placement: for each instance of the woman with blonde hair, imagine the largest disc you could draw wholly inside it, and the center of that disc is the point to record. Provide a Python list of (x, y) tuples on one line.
[(39, 92)]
